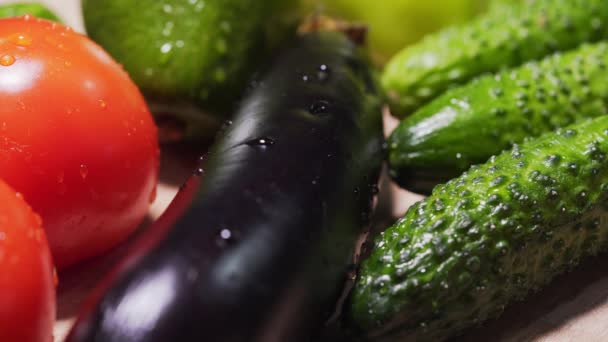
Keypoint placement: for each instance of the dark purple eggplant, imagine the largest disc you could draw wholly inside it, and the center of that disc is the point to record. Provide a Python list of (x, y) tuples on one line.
[(263, 250)]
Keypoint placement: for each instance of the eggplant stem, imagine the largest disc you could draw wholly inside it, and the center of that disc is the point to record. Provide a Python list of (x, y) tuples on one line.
[(356, 32)]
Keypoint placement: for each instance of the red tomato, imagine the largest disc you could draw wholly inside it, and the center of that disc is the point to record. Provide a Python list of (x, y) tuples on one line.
[(76, 137), (27, 289)]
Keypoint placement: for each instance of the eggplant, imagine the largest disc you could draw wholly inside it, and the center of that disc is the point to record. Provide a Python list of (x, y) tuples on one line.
[(259, 244)]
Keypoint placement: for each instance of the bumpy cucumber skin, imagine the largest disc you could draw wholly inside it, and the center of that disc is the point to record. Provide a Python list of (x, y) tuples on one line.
[(504, 37), (467, 125), (33, 8), (192, 59), (488, 238)]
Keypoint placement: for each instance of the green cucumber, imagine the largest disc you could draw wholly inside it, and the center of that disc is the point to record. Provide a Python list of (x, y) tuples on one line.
[(33, 8), (469, 124), (504, 37), (488, 238), (191, 58)]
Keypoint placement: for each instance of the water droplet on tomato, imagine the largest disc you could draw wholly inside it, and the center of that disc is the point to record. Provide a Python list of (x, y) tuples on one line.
[(84, 171), (38, 234), (103, 104), (38, 219), (7, 60), (153, 195), (19, 195), (27, 17), (55, 277), (60, 177), (22, 40)]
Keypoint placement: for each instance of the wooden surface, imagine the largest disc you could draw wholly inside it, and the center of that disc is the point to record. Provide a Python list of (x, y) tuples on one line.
[(573, 308)]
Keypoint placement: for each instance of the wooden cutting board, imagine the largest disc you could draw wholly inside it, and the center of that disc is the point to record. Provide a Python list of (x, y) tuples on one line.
[(573, 308)]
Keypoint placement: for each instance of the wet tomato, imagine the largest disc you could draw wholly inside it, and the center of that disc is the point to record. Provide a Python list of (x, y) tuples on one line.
[(27, 289), (76, 137)]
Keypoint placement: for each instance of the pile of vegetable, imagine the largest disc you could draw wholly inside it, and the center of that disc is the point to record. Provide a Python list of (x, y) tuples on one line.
[(503, 126)]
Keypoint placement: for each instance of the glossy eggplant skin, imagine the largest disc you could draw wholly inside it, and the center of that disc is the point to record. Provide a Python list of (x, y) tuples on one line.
[(263, 251)]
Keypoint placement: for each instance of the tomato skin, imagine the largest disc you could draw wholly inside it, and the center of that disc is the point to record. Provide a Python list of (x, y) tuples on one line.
[(27, 286), (76, 137)]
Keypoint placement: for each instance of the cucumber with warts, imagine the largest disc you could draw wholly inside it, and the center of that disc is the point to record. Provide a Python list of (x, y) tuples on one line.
[(488, 238), (467, 125), (507, 36)]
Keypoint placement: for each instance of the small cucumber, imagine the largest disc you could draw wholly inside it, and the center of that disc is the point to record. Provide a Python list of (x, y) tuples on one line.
[(488, 238), (191, 58), (469, 124), (504, 37), (33, 8)]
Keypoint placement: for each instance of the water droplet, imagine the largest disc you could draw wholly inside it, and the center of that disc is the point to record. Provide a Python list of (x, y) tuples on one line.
[(38, 219), (323, 73), (474, 263), (103, 104), (84, 171), (502, 247), (552, 195), (167, 8), (261, 142), (55, 277), (7, 60), (382, 280), (319, 107), (166, 48), (405, 254), (225, 237), (22, 40), (438, 205), (199, 171), (153, 195), (225, 234)]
